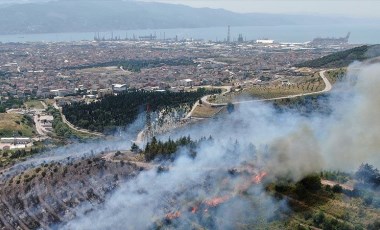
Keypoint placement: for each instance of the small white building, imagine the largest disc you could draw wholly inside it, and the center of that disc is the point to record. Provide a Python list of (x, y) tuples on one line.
[(47, 121), (15, 140), (186, 82), (117, 88), (285, 82), (90, 96), (60, 92), (264, 41)]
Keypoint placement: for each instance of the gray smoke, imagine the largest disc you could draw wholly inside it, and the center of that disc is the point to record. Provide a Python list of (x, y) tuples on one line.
[(253, 139), (287, 144), (353, 136), (119, 141), (149, 198)]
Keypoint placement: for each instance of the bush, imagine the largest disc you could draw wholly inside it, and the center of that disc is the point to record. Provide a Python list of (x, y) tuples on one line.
[(319, 219), (368, 200), (312, 182), (337, 188), (301, 191), (374, 226)]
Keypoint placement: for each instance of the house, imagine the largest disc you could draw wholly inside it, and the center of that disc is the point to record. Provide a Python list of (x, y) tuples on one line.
[(60, 92), (285, 82), (15, 140), (264, 41), (104, 92), (118, 88), (186, 82)]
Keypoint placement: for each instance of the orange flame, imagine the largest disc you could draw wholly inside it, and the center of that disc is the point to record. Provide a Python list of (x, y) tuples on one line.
[(173, 215), (194, 209), (259, 177), (216, 201)]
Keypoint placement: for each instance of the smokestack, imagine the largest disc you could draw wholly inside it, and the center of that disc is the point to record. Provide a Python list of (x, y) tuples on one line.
[(229, 34)]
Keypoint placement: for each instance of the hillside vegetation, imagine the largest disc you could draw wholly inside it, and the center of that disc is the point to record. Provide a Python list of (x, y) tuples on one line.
[(20, 125), (343, 58), (121, 110)]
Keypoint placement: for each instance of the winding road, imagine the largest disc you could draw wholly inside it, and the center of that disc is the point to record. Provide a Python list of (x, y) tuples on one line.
[(227, 88), (327, 88)]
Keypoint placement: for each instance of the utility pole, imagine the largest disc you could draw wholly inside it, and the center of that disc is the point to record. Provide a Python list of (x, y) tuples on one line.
[(149, 132)]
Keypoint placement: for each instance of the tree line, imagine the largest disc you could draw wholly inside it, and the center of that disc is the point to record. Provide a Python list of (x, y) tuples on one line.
[(156, 148), (135, 65), (342, 58), (60, 128)]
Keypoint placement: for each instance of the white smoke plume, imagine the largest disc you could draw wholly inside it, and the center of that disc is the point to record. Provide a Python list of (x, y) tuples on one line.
[(286, 144), (253, 139), (352, 137), (119, 141)]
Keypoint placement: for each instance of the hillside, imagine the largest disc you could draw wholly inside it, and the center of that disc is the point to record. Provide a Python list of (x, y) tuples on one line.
[(95, 16), (11, 124), (48, 194), (51, 195), (123, 109), (343, 58)]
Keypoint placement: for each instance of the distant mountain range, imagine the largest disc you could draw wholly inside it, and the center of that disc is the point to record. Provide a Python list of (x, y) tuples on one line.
[(107, 15)]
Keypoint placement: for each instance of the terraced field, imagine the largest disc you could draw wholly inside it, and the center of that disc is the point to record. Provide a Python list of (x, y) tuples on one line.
[(274, 89)]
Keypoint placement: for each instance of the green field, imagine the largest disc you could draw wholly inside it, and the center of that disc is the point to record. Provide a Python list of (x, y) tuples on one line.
[(34, 104)]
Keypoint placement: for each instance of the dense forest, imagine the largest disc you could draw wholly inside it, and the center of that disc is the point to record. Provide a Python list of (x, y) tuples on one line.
[(343, 58), (123, 109), (137, 65), (156, 148)]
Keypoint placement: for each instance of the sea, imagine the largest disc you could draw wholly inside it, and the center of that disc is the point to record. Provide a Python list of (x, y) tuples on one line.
[(360, 34)]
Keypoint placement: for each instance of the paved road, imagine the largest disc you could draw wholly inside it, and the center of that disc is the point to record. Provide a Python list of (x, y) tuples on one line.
[(327, 88), (44, 105), (227, 88), (40, 129)]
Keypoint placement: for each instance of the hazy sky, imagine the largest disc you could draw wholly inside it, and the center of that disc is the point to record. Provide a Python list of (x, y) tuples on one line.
[(352, 8)]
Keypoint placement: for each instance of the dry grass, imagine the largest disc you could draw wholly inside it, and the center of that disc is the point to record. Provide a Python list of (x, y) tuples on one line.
[(336, 75), (204, 111), (344, 209), (298, 85), (10, 123), (34, 104)]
